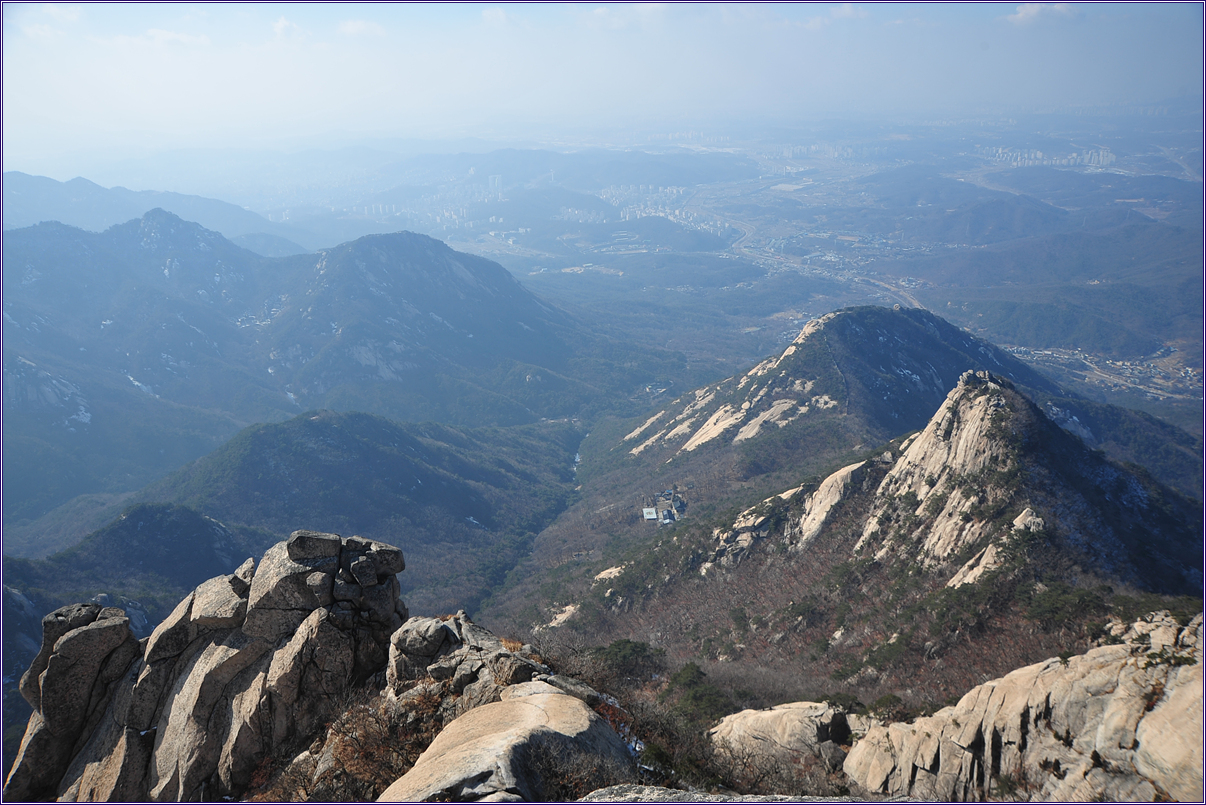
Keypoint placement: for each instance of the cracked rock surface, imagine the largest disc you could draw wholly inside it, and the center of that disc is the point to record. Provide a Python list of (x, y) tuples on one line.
[(1120, 722), (245, 665)]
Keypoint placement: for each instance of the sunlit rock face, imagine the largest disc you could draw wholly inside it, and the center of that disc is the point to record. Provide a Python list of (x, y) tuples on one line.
[(1118, 723), (245, 664)]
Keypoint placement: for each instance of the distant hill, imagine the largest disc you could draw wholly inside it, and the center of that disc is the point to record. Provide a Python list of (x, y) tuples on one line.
[(917, 205), (151, 554), (1177, 201), (268, 245), (30, 200), (1122, 292), (131, 351), (462, 504)]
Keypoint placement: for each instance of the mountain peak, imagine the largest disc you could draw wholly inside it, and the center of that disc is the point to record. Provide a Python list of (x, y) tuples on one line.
[(892, 367), (990, 469)]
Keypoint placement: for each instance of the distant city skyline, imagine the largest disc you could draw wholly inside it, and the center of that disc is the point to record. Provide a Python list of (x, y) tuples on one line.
[(114, 81)]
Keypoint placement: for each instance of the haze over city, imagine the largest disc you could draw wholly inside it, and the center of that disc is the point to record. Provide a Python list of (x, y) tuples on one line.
[(85, 85), (806, 398)]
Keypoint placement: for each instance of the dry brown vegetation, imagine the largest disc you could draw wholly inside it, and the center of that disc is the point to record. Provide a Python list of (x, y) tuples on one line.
[(370, 744)]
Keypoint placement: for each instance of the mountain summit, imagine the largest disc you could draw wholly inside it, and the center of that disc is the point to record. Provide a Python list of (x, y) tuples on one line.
[(134, 350), (883, 369), (990, 524)]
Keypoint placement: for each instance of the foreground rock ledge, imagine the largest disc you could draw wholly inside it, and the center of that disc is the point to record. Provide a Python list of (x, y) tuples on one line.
[(507, 751), (651, 793), (1119, 723), (260, 664)]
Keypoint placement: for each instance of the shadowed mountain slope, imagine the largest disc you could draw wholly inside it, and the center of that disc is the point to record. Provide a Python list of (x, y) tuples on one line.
[(463, 505), (131, 351)]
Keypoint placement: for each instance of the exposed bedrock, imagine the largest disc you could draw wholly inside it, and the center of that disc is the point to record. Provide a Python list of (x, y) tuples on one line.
[(1120, 722), (246, 665)]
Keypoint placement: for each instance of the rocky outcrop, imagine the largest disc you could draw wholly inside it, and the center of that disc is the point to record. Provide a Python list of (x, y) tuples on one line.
[(85, 648), (245, 665), (988, 475), (784, 734), (309, 651), (474, 663), (1120, 722), (439, 671), (958, 442), (513, 750), (757, 522)]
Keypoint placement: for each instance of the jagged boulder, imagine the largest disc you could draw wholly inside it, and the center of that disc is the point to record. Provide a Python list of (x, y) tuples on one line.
[(1120, 722), (475, 664), (85, 649), (246, 664), (513, 750)]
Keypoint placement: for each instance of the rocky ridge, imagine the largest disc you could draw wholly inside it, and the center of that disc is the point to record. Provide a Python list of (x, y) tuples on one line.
[(851, 358), (972, 483), (1120, 722), (310, 656)]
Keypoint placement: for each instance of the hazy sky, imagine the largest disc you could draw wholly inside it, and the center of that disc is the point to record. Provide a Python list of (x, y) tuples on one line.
[(118, 78)]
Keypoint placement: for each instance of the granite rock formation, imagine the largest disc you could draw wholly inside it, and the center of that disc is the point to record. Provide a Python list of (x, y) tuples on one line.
[(511, 750), (1120, 722), (246, 664)]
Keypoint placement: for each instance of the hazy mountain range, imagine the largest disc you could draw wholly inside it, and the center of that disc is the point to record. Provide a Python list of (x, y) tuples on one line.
[(176, 402), (130, 351)]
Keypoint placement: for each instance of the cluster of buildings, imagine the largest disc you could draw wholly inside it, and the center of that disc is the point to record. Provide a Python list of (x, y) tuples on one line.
[(1028, 157), (667, 508)]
